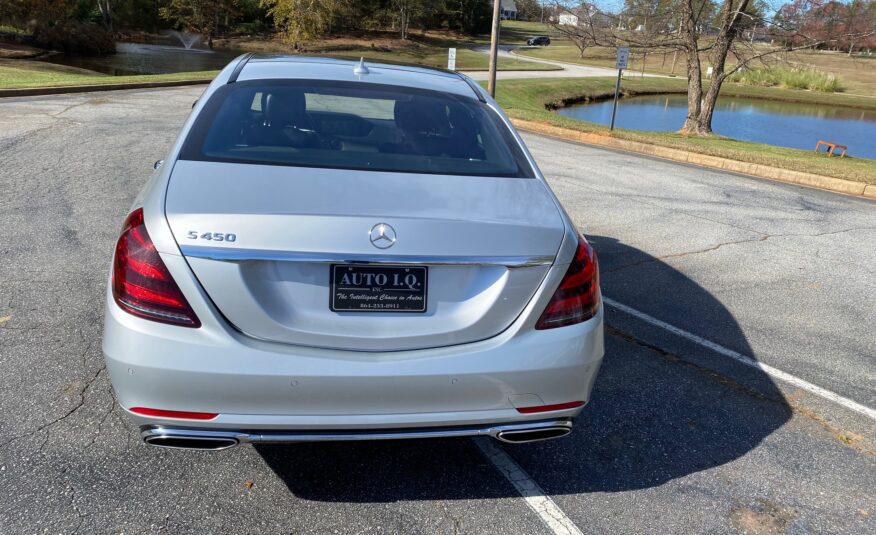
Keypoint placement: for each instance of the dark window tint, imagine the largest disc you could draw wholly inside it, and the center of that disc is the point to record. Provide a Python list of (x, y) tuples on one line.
[(354, 126)]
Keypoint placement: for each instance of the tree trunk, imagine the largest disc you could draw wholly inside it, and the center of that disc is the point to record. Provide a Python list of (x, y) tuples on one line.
[(403, 23), (694, 69), (720, 50), (106, 14)]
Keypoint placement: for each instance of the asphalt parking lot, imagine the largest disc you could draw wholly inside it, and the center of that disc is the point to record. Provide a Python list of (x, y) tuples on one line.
[(701, 270)]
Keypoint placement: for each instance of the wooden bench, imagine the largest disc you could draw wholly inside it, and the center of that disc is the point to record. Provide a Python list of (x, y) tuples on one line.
[(831, 148)]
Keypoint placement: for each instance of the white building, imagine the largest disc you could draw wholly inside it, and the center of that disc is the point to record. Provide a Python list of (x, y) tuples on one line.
[(508, 10), (567, 19), (572, 17)]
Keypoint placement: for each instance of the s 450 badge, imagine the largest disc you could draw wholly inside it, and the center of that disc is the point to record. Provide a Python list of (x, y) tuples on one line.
[(212, 236)]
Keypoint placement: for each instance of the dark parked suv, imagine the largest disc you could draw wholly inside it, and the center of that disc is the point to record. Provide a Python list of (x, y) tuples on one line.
[(539, 41)]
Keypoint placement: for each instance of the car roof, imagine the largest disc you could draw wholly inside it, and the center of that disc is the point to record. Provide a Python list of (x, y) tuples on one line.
[(319, 68)]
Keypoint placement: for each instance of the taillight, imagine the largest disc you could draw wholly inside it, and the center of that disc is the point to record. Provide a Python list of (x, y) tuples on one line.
[(160, 413), (577, 298), (141, 283), (548, 408)]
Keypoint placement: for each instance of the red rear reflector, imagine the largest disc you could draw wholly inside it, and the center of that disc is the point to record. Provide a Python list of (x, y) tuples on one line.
[(142, 286), (577, 298), (548, 408), (174, 414)]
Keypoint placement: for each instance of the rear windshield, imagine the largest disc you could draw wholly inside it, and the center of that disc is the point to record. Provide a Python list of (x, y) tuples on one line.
[(350, 125)]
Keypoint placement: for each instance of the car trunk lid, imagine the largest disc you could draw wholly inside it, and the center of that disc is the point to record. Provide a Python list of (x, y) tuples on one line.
[(487, 243)]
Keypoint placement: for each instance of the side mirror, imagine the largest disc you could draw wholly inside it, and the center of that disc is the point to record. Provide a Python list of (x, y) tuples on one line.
[(157, 164), (195, 103)]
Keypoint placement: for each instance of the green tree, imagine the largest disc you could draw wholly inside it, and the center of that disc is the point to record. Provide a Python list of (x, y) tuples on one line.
[(471, 17), (406, 11), (302, 20), (529, 9), (198, 16)]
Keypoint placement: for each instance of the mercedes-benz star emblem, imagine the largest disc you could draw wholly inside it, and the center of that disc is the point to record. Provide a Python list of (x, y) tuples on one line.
[(382, 236)]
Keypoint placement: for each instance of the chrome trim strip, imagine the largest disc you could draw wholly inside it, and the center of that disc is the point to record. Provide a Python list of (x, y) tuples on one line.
[(246, 255), (149, 434)]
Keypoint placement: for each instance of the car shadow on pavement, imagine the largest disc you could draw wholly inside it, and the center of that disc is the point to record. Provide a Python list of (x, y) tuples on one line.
[(660, 410)]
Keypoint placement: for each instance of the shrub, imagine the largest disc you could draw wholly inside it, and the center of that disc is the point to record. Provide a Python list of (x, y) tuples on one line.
[(75, 38), (790, 78)]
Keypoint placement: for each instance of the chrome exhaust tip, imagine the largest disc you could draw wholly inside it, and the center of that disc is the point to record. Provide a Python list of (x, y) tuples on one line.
[(522, 436), (182, 441)]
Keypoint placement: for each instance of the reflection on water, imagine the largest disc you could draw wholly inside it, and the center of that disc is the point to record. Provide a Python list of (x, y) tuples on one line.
[(775, 123), (137, 58)]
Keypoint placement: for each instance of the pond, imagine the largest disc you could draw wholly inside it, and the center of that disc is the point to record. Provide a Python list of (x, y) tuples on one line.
[(140, 58), (784, 124)]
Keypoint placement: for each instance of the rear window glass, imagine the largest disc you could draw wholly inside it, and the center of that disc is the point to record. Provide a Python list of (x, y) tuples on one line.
[(349, 125)]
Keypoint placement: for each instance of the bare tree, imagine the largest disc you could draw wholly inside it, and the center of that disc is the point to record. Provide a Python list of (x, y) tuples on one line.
[(584, 25), (858, 22)]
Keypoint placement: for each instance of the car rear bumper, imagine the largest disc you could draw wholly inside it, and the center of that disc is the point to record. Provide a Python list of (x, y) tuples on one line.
[(220, 439), (267, 388)]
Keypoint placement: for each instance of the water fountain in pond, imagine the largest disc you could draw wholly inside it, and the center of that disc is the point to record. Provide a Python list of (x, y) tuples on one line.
[(188, 40)]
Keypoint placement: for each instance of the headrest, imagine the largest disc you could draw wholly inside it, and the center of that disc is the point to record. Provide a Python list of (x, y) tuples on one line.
[(422, 114), (285, 106)]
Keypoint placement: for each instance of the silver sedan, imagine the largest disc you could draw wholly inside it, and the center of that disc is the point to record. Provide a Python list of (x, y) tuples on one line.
[(335, 250)]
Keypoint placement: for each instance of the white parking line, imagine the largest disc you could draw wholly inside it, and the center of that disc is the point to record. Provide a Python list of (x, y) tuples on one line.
[(748, 361), (553, 517)]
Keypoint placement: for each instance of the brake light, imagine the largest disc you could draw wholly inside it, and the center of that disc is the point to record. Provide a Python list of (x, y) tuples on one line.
[(549, 408), (187, 415), (577, 298), (142, 286)]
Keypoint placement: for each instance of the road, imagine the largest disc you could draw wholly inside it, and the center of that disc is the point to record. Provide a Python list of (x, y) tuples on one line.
[(679, 437), (569, 70)]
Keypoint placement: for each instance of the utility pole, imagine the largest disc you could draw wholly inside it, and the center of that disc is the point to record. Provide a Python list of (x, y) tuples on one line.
[(494, 49)]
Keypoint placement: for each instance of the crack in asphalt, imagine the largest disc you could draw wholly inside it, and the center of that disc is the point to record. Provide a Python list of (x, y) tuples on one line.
[(680, 255), (81, 403), (794, 404), (702, 370), (454, 521), (763, 237)]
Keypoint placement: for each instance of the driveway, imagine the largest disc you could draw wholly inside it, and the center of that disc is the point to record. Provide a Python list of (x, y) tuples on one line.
[(701, 270)]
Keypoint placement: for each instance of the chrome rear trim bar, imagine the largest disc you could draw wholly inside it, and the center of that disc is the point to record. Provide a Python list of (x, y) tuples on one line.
[(218, 439), (248, 255)]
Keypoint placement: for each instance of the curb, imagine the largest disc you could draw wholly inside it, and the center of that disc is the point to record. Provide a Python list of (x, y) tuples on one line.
[(837, 185), (65, 89)]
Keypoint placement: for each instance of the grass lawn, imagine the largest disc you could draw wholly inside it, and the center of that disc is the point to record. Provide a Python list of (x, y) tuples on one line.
[(18, 51), (466, 60), (857, 75), (24, 73), (531, 99), (516, 32), (429, 49)]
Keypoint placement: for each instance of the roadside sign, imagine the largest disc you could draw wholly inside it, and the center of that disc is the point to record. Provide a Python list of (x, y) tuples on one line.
[(623, 56), (451, 59)]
